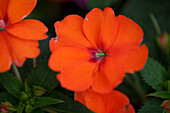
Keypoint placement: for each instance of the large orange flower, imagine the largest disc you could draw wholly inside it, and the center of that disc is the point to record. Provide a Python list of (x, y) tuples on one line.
[(97, 51), (112, 102), (18, 37)]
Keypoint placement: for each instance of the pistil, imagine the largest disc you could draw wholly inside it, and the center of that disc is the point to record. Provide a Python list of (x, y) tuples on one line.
[(101, 54), (2, 25)]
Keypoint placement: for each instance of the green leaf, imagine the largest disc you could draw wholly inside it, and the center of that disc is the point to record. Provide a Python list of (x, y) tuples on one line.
[(135, 87), (20, 108), (6, 97), (100, 3), (11, 84), (161, 94), (43, 76), (139, 11), (69, 105), (152, 106), (154, 74), (38, 110), (45, 101), (28, 90)]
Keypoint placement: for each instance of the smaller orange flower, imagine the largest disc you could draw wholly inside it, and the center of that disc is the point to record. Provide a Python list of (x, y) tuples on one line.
[(18, 37), (113, 102)]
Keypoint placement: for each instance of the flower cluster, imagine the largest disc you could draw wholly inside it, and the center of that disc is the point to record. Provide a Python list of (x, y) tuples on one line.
[(92, 54)]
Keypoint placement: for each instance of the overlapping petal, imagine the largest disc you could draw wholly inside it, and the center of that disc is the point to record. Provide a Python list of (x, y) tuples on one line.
[(1, 15), (128, 33), (126, 50), (113, 102), (79, 67), (34, 24), (92, 26), (3, 8), (21, 49), (19, 38), (19, 9), (70, 32), (82, 73), (93, 101), (5, 57), (108, 29), (65, 57), (28, 30), (100, 28), (131, 58), (116, 102), (109, 76)]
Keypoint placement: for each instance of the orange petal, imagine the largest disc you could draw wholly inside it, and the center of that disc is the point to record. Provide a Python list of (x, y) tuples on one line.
[(78, 77), (94, 101), (71, 30), (132, 58), (65, 57), (19, 9), (78, 96), (34, 24), (53, 44), (91, 100), (129, 33), (92, 25), (3, 8), (62, 42), (1, 15), (108, 77), (108, 30), (21, 49), (28, 30), (112, 102), (115, 102), (5, 57), (128, 109)]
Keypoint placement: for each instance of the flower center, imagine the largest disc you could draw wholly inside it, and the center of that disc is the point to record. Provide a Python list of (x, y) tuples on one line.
[(2, 25), (97, 55), (101, 54)]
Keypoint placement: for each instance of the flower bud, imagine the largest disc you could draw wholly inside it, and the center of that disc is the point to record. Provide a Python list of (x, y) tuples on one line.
[(32, 101), (166, 105), (38, 91), (164, 41), (7, 107), (24, 97), (29, 108)]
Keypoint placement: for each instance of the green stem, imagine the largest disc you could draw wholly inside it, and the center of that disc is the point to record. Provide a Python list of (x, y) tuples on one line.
[(16, 72), (138, 90), (155, 23), (34, 62), (49, 110)]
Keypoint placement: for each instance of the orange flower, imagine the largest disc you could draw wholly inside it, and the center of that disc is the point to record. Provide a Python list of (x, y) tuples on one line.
[(18, 37), (112, 102), (96, 51)]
